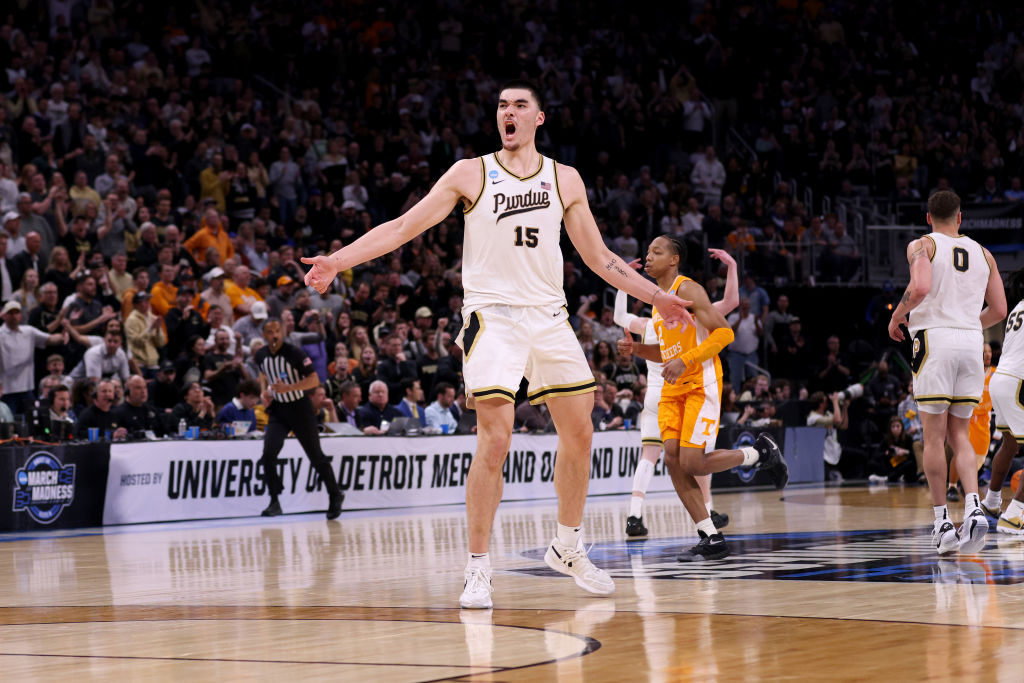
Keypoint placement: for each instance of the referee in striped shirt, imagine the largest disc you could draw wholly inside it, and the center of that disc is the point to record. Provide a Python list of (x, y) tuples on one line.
[(286, 374)]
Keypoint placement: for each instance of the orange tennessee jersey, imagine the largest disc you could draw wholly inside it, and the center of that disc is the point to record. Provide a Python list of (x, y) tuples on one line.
[(979, 431), (676, 341)]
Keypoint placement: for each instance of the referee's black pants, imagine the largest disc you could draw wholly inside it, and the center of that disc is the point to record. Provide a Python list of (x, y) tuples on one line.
[(298, 417)]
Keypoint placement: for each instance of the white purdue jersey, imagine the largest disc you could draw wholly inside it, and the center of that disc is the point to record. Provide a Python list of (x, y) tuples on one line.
[(960, 274), (1011, 360), (654, 378), (511, 252)]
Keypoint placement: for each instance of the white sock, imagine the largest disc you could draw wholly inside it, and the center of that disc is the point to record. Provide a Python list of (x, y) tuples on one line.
[(707, 526), (636, 506), (569, 536), (941, 513), (749, 456), (971, 501), (707, 505), (478, 561), (994, 499), (1014, 509)]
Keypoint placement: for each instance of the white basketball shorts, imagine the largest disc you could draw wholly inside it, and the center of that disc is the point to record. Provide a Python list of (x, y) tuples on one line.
[(949, 372), (502, 344), (1007, 394), (650, 433)]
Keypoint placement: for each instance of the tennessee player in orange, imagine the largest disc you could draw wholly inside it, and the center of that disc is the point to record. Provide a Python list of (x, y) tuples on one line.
[(688, 412)]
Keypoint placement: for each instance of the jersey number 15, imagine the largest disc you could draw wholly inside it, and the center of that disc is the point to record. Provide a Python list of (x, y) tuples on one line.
[(526, 236)]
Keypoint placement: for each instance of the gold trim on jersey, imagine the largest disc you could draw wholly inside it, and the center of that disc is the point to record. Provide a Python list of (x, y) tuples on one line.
[(532, 175), (483, 186), (570, 389), (922, 346), (558, 190), (939, 398), (651, 442), (1020, 394), (495, 391), (935, 247)]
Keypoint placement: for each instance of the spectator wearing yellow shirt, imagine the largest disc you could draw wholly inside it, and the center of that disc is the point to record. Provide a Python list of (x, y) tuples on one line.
[(214, 182), (211, 234), (238, 289), (81, 194)]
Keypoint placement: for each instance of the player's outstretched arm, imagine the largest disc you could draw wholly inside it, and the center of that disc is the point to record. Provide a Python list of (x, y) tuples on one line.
[(583, 232), (624, 318), (919, 255), (995, 295), (456, 183), (731, 297)]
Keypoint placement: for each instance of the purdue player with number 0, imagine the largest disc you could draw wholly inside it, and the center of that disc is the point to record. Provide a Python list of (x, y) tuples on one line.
[(952, 277), (516, 322)]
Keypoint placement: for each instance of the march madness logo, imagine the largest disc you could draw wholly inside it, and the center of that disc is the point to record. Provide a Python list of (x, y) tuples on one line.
[(44, 487)]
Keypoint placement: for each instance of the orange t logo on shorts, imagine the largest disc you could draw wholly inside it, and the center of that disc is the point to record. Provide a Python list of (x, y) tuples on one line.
[(708, 424)]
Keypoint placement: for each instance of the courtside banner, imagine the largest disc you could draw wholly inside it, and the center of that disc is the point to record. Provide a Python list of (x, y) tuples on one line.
[(52, 487), (177, 480)]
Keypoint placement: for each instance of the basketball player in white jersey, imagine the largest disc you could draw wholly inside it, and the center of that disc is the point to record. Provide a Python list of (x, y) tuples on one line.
[(1007, 391), (516, 322), (650, 434), (952, 278)]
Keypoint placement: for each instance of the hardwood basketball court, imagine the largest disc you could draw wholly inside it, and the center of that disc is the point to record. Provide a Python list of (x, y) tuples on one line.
[(824, 584)]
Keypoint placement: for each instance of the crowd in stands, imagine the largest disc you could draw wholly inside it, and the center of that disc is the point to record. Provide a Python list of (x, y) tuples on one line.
[(160, 179)]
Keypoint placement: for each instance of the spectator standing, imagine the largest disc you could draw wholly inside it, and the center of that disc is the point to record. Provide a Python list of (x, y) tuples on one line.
[(145, 333), (17, 356), (747, 329)]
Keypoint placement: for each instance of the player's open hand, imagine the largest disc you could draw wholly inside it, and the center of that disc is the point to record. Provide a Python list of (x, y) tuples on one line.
[(723, 256), (673, 309), (626, 344), (895, 333), (322, 274)]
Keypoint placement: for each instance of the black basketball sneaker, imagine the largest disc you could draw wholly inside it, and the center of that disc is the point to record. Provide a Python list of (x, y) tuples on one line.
[(635, 527), (770, 458), (719, 519), (711, 547)]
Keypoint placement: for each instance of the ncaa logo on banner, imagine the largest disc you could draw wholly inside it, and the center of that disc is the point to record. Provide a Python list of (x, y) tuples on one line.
[(43, 487), (746, 474)]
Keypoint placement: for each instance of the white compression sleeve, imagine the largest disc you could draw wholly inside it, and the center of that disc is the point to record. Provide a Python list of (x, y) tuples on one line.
[(642, 476), (622, 317)]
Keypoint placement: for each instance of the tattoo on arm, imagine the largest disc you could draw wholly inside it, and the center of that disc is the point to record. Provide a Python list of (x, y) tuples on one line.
[(614, 265), (918, 252), (906, 295)]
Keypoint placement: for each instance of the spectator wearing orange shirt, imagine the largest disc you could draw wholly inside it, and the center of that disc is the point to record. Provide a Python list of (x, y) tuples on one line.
[(238, 289), (165, 292), (740, 240), (211, 234)]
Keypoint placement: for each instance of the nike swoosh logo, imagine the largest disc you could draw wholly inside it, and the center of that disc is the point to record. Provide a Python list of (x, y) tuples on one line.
[(495, 182)]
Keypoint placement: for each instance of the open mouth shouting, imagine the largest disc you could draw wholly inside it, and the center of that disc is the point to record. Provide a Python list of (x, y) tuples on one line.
[(509, 130)]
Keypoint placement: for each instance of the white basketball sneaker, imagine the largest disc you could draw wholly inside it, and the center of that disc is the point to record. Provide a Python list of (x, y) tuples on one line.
[(944, 538), (972, 533), (575, 563), (477, 591)]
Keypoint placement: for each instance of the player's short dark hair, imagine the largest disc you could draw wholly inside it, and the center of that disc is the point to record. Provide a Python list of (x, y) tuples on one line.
[(944, 205), (677, 245), (249, 387), (442, 388), (523, 84)]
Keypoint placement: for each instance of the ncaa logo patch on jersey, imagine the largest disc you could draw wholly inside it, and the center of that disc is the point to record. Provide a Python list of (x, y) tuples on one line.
[(493, 174)]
